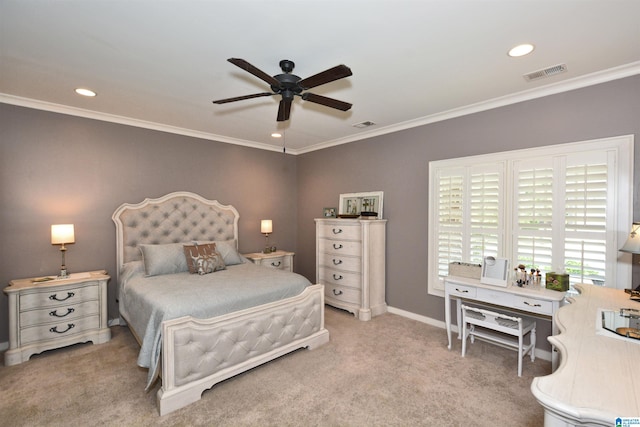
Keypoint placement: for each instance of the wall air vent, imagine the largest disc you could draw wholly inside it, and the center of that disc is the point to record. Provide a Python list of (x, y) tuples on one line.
[(363, 124), (547, 72)]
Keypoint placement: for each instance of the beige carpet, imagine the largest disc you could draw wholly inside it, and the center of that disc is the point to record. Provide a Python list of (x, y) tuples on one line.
[(390, 371)]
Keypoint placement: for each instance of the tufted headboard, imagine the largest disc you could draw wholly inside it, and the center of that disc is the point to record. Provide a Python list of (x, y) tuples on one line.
[(177, 217)]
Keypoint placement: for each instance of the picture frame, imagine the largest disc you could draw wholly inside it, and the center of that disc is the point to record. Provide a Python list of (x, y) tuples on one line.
[(356, 203), (495, 271), (329, 212)]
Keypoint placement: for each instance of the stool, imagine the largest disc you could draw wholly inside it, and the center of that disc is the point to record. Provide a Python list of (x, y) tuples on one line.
[(500, 322)]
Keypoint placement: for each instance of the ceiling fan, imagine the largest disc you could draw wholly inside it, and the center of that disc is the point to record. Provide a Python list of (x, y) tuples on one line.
[(289, 85)]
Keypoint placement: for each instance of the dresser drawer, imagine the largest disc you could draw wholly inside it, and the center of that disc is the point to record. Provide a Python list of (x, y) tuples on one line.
[(342, 278), (57, 314), (339, 247), (343, 294), (462, 291), (58, 330), (348, 263), (340, 231), (52, 297)]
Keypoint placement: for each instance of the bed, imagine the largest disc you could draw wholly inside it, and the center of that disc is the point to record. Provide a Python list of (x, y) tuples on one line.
[(196, 330)]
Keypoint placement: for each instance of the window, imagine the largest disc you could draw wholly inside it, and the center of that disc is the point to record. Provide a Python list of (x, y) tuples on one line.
[(564, 208)]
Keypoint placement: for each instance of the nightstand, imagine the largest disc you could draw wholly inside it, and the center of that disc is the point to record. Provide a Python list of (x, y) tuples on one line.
[(44, 315), (281, 260)]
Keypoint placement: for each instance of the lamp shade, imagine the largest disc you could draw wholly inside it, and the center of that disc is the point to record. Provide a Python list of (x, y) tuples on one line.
[(266, 226), (62, 233), (632, 244)]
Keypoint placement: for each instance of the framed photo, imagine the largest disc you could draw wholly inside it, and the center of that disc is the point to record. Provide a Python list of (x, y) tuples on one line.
[(356, 203), (495, 271), (329, 212)]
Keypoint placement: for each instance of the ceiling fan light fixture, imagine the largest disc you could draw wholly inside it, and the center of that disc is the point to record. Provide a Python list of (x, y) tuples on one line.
[(521, 50), (85, 92)]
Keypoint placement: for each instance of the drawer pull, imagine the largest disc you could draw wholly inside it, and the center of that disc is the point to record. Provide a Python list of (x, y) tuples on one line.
[(54, 297), (337, 261), (532, 305), (337, 292), (337, 276), (339, 246), (55, 329), (55, 313), (337, 231), (462, 291), (276, 264)]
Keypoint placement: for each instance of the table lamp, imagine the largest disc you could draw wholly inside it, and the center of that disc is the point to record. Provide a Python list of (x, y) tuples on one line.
[(62, 234), (266, 228), (632, 245)]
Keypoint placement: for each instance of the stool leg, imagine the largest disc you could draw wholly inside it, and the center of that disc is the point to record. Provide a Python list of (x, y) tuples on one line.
[(520, 344), (533, 343)]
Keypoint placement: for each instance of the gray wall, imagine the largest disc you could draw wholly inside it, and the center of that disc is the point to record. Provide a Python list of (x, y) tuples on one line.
[(56, 168), (398, 165)]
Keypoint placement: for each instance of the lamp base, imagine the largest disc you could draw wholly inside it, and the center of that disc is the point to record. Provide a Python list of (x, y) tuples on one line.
[(64, 273)]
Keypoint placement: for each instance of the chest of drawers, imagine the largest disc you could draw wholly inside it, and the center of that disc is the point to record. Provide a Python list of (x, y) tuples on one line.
[(350, 263), (57, 313)]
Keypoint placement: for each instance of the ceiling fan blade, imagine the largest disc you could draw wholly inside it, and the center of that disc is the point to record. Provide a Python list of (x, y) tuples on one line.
[(329, 102), (335, 73), (284, 110), (240, 98), (254, 70)]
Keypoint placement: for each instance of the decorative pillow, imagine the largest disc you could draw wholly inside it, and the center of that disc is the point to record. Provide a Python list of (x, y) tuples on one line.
[(203, 259), (163, 259), (228, 251)]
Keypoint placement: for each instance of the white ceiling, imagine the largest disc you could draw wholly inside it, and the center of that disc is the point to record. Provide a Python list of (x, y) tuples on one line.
[(159, 63)]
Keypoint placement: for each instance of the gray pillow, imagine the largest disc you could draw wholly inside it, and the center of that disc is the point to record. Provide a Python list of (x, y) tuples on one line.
[(163, 259)]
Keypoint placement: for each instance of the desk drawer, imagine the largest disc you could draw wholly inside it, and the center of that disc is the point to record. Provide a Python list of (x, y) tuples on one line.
[(533, 305), (463, 291)]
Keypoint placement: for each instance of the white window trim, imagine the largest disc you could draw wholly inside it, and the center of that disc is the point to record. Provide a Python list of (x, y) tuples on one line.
[(621, 146)]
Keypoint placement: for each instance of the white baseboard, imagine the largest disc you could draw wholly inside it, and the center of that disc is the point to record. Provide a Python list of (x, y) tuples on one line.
[(542, 354)]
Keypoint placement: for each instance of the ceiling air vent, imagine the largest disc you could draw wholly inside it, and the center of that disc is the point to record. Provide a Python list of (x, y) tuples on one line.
[(547, 72), (363, 124)]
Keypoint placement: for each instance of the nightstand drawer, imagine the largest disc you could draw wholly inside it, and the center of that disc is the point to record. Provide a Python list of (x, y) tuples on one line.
[(280, 263), (57, 314), (58, 330), (341, 293), (43, 298)]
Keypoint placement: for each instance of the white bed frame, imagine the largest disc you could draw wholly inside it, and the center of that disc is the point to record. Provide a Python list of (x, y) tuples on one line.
[(199, 353)]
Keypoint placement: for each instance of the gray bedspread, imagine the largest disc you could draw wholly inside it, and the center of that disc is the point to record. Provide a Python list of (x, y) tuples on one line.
[(148, 301)]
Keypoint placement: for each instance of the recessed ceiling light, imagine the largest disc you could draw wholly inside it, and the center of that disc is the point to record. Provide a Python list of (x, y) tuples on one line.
[(276, 135), (521, 50), (85, 92)]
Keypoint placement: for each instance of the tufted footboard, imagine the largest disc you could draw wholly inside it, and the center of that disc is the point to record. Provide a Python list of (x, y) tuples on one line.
[(197, 354)]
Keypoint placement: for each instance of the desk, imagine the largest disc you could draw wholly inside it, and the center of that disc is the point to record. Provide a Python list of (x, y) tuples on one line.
[(536, 301), (598, 379)]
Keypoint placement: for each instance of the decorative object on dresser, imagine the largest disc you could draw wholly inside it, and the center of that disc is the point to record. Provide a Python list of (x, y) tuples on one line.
[(47, 313), (281, 260), (366, 205), (61, 234), (350, 263), (266, 228), (276, 312)]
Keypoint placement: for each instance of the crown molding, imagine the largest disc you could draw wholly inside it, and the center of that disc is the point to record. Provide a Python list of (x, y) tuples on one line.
[(616, 73)]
